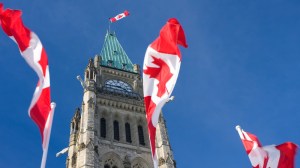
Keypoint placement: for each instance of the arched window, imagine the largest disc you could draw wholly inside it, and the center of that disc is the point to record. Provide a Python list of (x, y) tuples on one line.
[(118, 85), (116, 130), (76, 126), (92, 75), (111, 163), (110, 63), (141, 135), (103, 128), (87, 74), (128, 132), (107, 166), (138, 165)]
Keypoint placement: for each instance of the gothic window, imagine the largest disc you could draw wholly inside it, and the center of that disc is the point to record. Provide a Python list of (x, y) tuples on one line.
[(107, 166), (138, 165), (96, 149), (110, 163), (118, 85), (103, 128), (91, 75), (110, 63), (124, 65), (141, 135), (87, 74), (128, 132), (116, 130), (76, 126)]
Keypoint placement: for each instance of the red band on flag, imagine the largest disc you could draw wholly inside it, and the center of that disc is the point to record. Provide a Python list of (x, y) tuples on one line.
[(288, 152), (1, 8), (170, 36), (37, 112), (126, 13), (12, 25)]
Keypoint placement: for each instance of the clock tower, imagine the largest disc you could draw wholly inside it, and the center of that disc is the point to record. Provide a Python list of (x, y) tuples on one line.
[(110, 128)]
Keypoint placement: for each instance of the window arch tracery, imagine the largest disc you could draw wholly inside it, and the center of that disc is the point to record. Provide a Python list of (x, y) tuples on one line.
[(138, 165), (118, 85), (110, 163), (111, 160)]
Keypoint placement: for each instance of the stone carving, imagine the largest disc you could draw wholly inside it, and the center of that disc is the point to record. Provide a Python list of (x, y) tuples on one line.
[(81, 146), (74, 159), (96, 149), (126, 162), (169, 159), (91, 103), (161, 161)]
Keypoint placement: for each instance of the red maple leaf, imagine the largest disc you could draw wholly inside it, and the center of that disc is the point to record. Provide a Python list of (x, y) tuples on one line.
[(119, 16), (162, 73)]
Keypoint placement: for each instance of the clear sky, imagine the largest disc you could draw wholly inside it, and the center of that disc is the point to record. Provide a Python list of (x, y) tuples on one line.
[(242, 67)]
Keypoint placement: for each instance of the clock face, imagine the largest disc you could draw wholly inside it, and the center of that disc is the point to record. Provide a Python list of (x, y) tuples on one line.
[(118, 85)]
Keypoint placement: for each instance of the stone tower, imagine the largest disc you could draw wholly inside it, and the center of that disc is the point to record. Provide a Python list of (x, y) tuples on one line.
[(110, 128)]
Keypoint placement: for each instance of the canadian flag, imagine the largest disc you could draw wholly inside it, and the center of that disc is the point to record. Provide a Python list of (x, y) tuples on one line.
[(119, 16), (41, 110), (272, 156), (160, 71)]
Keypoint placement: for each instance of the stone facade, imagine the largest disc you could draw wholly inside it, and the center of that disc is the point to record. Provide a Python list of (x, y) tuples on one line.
[(110, 128)]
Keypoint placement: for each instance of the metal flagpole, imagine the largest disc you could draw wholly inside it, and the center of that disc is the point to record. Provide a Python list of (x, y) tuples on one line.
[(48, 133), (109, 22)]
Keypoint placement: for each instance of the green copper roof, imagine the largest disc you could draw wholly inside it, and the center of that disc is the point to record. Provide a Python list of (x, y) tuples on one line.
[(113, 54)]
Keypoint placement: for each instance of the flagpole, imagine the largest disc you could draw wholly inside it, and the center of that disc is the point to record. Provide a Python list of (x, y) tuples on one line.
[(240, 131), (109, 22), (47, 136)]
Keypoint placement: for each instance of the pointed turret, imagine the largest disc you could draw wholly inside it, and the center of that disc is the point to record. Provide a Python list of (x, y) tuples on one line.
[(90, 72), (113, 55), (90, 76), (75, 123), (75, 127)]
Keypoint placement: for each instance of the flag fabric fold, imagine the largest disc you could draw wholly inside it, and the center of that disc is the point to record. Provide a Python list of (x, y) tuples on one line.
[(119, 16), (41, 110), (160, 71), (1, 8), (272, 156)]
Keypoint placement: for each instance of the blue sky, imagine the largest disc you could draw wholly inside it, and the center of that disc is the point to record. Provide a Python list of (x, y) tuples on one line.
[(242, 67)]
